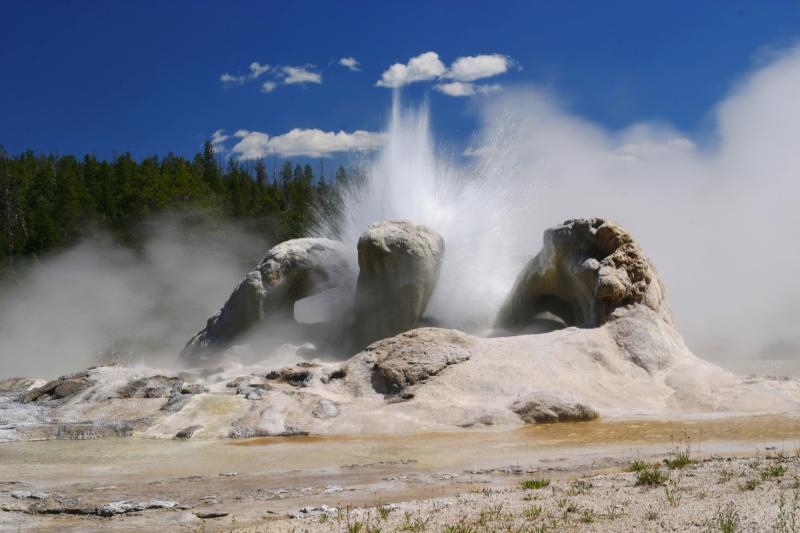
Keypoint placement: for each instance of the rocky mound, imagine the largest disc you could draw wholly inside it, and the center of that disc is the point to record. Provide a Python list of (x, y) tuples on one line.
[(587, 268), (399, 265), (290, 271), (398, 268), (613, 352)]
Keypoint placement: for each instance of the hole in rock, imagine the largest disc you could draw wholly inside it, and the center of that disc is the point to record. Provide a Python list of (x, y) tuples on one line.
[(324, 306)]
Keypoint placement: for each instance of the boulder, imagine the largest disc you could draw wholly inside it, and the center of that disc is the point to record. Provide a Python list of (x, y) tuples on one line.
[(399, 265), (151, 387), (414, 357), (186, 433), (60, 388), (545, 407), (291, 271), (586, 269)]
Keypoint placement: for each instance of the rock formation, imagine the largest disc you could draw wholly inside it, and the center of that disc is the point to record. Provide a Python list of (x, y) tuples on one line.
[(399, 265), (290, 271), (586, 269), (625, 358), (398, 268)]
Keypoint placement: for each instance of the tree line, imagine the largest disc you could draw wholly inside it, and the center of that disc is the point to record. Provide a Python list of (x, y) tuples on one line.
[(48, 202)]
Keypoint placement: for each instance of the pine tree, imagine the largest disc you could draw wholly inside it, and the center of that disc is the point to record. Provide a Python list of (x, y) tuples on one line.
[(211, 173)]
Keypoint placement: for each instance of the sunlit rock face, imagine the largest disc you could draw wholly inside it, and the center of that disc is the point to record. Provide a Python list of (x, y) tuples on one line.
[(290, 271), (399, 265), (586, 269)]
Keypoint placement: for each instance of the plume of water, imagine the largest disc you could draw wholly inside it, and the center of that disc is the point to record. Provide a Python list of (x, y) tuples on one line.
[(479, 210)]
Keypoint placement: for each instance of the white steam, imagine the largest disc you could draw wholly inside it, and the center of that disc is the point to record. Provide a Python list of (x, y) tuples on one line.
[(718, 217), (98, 297), (720, 220)]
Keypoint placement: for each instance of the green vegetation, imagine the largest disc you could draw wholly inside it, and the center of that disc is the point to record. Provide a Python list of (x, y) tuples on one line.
[(355, 527), (750, 484), (638, 466), (679, 460), (532, 513), (48, 202), (651, 476), (773, 471), (727, 520), (529, 484)]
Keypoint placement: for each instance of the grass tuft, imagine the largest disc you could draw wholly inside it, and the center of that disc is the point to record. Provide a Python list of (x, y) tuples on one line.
[(651, 477), (727, 520), (679, 460), (773, 471), (530, 484), (638, 466), (750, 484)]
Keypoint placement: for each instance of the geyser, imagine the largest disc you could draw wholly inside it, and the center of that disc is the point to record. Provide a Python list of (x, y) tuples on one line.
[(477, 213), (482, 212)]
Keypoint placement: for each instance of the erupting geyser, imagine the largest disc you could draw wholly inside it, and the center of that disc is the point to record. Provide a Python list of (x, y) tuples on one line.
[(582, 330)]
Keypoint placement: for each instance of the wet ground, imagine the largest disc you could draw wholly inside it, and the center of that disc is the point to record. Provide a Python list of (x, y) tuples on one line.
[(259, 481)]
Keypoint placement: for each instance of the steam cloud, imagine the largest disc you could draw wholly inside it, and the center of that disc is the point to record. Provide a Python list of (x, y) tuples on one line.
[(718, 216), (98, 297)]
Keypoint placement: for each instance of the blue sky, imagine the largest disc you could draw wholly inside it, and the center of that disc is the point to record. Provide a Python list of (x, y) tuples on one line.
[(103, 77)]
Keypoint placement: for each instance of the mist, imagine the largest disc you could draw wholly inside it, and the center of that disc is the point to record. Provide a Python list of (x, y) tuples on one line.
[(717, 215), (100, 302)]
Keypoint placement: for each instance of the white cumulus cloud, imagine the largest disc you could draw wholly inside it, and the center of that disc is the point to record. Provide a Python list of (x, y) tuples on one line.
[(350, 63), (423, 67), (471, 68), (257, 69), (268, 86), (230, 79), (300, 75), (218, 139), (462, 72), (458, 88), (304, 142)]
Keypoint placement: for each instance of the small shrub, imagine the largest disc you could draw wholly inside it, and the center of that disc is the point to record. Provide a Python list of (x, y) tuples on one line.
[(530, 484), (587, 517), (725, 476), (651, 515), (532, 513), (727, 520), (581, 487), (355, 527), (773, 471), (638, 466), (750, 484), (384, 511), (679, 460), (673, 498), (651, 477)]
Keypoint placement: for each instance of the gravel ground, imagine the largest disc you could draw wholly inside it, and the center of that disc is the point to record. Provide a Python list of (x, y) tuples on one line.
[(758, 493)]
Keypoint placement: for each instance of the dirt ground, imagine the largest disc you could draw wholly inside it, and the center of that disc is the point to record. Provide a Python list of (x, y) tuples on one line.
[(729, 474)]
